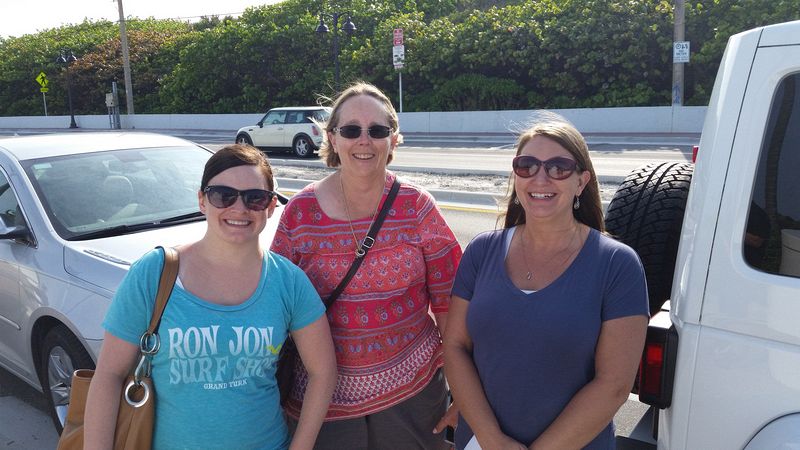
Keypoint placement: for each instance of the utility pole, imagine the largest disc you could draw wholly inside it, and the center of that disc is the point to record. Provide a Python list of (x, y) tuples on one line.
[(126, 60), (677, 67)]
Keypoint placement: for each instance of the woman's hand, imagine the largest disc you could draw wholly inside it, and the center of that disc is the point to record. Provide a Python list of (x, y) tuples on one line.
[(450, 418)]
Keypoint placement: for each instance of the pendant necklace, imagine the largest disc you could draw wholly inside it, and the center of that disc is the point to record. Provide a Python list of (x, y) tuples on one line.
[(359, 245), (529, 275)]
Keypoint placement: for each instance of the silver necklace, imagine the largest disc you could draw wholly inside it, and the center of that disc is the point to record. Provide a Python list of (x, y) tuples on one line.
[(529, 275), (358, 244)]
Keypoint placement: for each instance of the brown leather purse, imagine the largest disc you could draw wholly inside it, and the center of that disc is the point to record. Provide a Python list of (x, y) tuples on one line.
[(137, 405)]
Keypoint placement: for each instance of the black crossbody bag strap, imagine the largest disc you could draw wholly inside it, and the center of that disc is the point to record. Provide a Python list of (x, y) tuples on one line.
[(369, 241)]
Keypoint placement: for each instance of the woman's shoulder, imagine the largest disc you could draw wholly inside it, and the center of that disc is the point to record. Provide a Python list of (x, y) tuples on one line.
[(151, 259), (304, 195), (407, 187), (277, 260), (619, 251), (486, 239), (284, 266)]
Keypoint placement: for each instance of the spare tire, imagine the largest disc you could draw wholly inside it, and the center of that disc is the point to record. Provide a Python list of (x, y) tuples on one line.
[(646, 213)]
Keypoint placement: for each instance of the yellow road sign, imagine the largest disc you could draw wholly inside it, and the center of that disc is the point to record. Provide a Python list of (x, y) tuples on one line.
[(42, 80), (44, 89)]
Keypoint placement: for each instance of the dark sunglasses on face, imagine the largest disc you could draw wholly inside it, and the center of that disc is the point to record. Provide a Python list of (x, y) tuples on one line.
[(558, 168), (225, 197), (354, 131)]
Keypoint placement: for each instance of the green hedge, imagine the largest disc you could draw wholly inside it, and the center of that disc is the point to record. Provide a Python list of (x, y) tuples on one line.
[(460, 55)]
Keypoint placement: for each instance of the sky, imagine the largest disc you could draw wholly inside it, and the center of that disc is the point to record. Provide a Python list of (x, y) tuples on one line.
[(18, 17)]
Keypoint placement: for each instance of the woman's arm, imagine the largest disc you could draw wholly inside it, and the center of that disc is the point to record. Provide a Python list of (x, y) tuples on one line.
[(619, 349), (315, 345), (465, 383), (117, 358)]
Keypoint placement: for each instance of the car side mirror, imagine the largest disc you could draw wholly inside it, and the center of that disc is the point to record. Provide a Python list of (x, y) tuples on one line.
[(16, 232), (260, 123)]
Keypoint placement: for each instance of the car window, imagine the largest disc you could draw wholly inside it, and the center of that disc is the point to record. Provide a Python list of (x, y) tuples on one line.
[(772, 236), (275, 117), (95, 191), (322, 115), (295, 117), (10, 212)]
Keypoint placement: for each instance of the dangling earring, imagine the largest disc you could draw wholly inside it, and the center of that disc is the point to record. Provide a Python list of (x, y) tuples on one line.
[(516, 200), (577, 203)]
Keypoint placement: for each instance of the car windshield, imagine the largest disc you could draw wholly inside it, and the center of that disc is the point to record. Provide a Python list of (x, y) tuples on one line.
[(85, 194)]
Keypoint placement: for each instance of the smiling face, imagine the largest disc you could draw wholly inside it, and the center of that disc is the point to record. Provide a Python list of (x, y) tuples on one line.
[(363, 155), (237, 224), (542, 197)]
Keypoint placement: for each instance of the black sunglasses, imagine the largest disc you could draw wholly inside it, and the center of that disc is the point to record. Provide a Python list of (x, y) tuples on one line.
[(558, 168), (255, 199), (354, 131)]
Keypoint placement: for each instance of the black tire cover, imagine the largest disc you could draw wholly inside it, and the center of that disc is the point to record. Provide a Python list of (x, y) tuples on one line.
[(646, 213)]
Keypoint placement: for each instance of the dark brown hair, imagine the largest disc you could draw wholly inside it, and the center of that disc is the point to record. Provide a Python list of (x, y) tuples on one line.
[(236, 155), (358, 88), (558, 129)]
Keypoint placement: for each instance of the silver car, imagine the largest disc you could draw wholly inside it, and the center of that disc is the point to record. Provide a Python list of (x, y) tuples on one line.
[(75, 211)]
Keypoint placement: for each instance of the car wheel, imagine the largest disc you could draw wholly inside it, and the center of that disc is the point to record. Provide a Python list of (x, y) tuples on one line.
[(244, 139), (62, 353), (303, 147), (646, 213)]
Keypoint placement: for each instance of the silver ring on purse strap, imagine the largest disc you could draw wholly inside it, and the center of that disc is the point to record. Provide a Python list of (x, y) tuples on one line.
[(136, 404), (149, 343)]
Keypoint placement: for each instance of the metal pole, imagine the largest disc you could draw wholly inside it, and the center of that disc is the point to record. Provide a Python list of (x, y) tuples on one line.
[(114, 92), (126, 60), (72, 123), (677, 68), (44, 100), (336, 49), (400, 79)]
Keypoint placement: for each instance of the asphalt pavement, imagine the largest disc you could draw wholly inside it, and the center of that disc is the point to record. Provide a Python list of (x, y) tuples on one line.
[(682, 142)]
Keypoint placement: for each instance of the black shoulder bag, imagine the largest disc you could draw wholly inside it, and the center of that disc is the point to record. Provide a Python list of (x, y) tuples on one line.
[(288, 354)]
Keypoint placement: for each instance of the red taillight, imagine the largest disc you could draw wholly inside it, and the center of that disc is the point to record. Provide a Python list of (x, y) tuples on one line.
[(650, 372), (695, 149), (657, 368), (314, 130)]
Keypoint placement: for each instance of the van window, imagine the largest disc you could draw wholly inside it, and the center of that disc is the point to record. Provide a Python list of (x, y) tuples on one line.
[(772, 235)]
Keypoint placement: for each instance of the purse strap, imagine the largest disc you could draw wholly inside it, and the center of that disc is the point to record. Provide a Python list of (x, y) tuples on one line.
[(169, 273), (369, 241), (150, 343)]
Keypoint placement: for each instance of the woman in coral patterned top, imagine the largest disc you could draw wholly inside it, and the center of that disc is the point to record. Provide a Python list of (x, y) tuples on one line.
[(390, 390)]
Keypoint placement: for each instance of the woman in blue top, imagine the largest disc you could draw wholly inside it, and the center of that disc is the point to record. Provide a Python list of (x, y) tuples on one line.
[(548, 315), (229, 313)]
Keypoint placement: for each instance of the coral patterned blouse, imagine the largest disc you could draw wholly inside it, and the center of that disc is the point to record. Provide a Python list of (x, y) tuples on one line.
[(387, 345)]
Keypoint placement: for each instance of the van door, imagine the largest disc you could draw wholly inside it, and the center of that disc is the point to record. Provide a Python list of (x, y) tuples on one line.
[(747, 362)]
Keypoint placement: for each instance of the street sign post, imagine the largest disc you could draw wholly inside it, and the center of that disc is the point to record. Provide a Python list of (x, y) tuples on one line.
[(43, 82), (399, 59)]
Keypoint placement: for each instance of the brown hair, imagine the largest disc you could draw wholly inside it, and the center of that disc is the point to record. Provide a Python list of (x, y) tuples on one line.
[(358, 88), (236, 155), (566, 135)]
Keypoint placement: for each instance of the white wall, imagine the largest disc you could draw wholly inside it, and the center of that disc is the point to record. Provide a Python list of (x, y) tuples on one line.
[(654, 119)]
